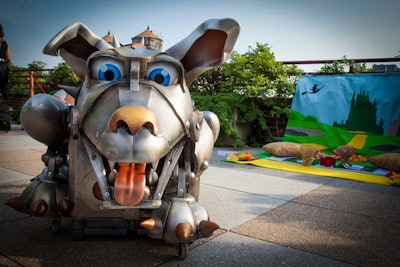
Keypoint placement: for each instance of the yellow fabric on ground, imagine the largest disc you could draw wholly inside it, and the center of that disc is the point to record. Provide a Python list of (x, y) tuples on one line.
[(324, 171)]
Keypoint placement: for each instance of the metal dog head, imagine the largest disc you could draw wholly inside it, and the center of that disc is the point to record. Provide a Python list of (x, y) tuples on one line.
[(134, 104)]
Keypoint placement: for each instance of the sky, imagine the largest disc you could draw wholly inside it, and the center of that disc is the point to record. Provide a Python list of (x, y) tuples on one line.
[(294, 29)]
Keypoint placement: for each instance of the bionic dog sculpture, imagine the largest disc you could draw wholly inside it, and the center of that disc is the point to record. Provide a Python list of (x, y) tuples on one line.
[(132, 147)]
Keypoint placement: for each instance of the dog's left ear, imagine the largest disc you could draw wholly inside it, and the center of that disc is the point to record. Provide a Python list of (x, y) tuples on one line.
[(75, 43), (208, 46)]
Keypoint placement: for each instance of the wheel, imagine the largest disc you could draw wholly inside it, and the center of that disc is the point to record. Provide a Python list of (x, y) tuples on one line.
[(182, 250)]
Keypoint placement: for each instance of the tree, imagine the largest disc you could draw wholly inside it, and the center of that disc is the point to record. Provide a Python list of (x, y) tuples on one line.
[(257, 74), (37, 65), (63, 75), (209, 83), (339, 67), (246, 85)]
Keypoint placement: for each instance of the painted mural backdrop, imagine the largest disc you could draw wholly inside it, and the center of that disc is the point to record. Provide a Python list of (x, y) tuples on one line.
[(361, 110)]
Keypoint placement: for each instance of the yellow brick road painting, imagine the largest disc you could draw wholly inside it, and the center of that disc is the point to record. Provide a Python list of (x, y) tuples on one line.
[(358, 141)]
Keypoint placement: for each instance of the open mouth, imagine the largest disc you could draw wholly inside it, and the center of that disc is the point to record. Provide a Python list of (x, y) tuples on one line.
[(128, 182), (128, 179)]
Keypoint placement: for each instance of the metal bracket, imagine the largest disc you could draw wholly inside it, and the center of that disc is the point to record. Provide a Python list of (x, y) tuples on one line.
[(145, 204), (53, 160), (97, 165), (73, 122), (169, 166), (184, 176)]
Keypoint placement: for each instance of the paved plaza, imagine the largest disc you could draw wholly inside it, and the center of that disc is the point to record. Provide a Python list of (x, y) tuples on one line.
[(267, 218)]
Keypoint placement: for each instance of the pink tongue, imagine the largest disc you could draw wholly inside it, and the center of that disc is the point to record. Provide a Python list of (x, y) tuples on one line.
[(130, 183)]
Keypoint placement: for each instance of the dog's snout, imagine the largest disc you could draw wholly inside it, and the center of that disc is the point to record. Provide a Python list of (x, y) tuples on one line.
[(134, 118)]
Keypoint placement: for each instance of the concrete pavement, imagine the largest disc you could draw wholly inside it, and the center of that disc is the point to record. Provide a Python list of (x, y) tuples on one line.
[(267, 218)]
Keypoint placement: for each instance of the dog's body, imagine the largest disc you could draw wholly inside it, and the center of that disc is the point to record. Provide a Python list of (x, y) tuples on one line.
[(133, 146)]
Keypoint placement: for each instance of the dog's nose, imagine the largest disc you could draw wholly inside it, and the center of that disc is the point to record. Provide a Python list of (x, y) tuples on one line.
[(134, 118)]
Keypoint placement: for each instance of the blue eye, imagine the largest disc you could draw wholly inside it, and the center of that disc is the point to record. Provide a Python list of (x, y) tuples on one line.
[(109, 72), (163, 73), (160, 76)]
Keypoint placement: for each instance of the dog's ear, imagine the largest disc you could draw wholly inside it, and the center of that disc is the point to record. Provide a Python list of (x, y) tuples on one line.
[(208, 46), (75, 43)]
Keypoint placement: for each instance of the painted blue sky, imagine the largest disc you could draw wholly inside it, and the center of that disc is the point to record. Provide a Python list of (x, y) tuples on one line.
[(332, 102), (295, 29)]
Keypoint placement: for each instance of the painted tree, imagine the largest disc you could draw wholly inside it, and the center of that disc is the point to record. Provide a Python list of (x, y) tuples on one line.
[(361, 108)]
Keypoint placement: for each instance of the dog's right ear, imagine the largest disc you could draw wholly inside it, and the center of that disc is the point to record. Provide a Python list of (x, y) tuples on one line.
[(208, 46), (75, 43)]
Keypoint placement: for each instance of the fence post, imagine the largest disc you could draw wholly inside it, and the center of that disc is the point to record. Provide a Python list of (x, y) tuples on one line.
[(31, 85)]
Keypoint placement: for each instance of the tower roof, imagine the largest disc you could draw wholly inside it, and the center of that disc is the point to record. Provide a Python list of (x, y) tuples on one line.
[(109, 38), (148, 34)]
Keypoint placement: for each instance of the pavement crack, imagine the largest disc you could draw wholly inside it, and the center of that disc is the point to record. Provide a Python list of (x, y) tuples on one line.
[(245, 192), (10, 259)]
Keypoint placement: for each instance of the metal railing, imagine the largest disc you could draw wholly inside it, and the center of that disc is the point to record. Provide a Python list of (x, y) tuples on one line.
[(351, 67), (30, 79)]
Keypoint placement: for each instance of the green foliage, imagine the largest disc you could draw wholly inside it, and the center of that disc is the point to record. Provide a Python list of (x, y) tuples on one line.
[(37, 65), (48, 79), (247, 83), (225, 104), (359, 68), (41, 76), (209, 83), (336, 67), (19, 77), (62, 74), (17, 81), (341, 66), (256, 74), (278, 107)]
